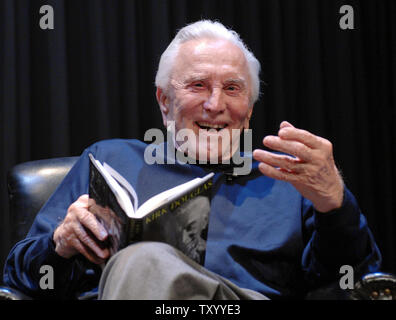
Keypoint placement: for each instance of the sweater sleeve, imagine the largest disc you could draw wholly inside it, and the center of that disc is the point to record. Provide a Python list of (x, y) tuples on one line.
[(23, 267), (339, 237)]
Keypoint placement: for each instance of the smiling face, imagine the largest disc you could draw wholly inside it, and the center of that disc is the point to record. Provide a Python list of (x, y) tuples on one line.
[(208, 94)]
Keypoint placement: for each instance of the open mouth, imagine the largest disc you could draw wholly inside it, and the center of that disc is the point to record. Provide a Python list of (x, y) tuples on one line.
[(208, 126)]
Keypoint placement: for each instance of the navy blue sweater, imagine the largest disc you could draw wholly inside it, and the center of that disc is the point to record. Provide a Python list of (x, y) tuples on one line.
[(263, 235)]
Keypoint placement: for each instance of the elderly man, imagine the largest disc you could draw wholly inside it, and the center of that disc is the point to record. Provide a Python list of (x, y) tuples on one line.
[(281, 230)]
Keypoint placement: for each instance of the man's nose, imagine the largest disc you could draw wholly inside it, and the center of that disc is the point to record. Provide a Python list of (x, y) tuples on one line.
[(215, 102)]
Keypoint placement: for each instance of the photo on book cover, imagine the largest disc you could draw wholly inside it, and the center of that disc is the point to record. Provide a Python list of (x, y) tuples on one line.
[(178, 216)]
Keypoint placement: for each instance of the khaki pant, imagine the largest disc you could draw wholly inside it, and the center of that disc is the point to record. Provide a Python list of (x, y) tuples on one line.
[(157, 271)]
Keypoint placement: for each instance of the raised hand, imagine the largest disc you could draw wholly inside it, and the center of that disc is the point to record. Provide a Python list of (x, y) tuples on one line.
[(308, 165)]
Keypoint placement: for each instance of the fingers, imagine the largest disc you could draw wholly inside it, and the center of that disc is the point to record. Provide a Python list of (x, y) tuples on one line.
[(88, 246), (298, 142), (89, 221), (81, 232), (280, 167), (86, 218), (277, 173), (287, 163), (288, 132), (93, 256), (294, 148)]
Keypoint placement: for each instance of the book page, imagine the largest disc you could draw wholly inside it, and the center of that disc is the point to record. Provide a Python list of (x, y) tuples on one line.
[(126, 195), (120, 193), (125, 184)]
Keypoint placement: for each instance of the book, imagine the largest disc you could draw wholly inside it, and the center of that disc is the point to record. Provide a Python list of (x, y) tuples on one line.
[(178, 216)]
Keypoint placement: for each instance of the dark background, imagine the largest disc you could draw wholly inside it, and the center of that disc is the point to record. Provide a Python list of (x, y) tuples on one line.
[(92, 78)]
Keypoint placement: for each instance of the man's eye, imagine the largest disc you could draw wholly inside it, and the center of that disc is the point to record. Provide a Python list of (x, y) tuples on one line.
[(197, 86), (231, 88)]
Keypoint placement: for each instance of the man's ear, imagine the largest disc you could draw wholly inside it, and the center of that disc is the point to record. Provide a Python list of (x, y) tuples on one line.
[(163, 102)]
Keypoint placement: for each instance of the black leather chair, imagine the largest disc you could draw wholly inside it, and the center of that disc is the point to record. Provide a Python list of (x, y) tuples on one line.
[(30, 184)]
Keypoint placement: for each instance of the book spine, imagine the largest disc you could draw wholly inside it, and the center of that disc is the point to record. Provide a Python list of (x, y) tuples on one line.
[(135, 230)]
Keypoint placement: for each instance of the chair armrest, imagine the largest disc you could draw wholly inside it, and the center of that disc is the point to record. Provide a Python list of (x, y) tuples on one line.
[(372, 286), (375, 286), (7, 293)]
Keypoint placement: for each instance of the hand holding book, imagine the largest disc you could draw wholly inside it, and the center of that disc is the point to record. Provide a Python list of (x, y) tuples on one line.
[(99, 225), (81, 232)]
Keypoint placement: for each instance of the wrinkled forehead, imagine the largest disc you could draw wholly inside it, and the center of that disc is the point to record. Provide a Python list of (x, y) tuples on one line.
[(195, 54)]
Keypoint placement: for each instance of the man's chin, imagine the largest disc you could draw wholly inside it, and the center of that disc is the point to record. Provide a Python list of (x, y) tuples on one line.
[(207, 147), (212, 155)]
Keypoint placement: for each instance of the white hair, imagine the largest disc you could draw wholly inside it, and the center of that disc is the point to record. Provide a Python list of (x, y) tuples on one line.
[(206, 29)]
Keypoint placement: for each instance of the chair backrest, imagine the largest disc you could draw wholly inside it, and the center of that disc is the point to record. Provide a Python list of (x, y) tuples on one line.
[(30, 184)]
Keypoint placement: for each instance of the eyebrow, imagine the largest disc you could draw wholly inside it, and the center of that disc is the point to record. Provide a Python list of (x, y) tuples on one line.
[(195, 78), (239, 81)]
